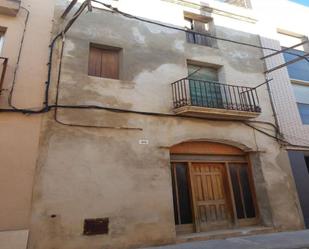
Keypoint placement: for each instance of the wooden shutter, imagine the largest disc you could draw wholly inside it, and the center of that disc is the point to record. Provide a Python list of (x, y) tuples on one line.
[(200, 26), (210, 201), (103, 62), (110, 67)]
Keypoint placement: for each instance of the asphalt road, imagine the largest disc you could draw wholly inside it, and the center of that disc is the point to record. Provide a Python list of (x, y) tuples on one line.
[(285, 240)]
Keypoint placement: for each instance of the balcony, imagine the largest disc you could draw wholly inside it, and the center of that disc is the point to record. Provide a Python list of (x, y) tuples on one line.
[(200, 39), (9, 7), (3, 66), (200, 98)]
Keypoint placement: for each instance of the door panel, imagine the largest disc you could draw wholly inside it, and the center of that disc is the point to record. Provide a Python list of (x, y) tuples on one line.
[(242, 191), (210, 196), (182, 198), (182, 194)]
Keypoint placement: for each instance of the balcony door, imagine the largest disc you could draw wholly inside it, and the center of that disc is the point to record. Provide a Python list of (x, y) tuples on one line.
[(204, 88)]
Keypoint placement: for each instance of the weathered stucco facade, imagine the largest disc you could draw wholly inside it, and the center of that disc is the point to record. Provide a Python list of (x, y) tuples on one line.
[(85, 172)]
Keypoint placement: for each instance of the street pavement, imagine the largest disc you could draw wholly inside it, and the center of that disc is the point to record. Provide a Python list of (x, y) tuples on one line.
[(284, 240)]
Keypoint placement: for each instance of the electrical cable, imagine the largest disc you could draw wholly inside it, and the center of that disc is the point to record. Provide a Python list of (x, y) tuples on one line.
[(267, 134), (69, 24), (57, 98), (18, 59), (284, 142), (172, 115), (192, 31), (48, 107)]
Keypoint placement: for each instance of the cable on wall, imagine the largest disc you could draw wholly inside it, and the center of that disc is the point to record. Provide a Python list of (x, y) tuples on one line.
[(56, 118), (195, 32), (18, 58), (48, 107), (85, 4)]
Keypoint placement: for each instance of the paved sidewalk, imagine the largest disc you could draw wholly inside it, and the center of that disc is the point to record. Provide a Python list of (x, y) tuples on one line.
[(286, 240)]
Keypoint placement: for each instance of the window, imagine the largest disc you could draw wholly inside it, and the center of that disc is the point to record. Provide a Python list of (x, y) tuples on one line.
[(201, 25), (204, 89), (301, 93), (104, 61), (298, 70)]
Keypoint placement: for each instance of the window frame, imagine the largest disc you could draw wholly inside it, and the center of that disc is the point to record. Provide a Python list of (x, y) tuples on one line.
[(198, 39), (104, 49), (289, 67), (303, 79), (302, 83)]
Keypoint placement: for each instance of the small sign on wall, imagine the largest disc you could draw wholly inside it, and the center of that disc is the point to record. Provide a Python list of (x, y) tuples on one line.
[(143, 141)]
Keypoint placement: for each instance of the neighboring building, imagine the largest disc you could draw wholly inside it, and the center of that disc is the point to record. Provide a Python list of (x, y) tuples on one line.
[(177, 152), (24, 54), (290, 87)]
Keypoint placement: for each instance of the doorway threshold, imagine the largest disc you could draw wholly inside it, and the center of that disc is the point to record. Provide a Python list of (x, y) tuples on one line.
[(223, 234)]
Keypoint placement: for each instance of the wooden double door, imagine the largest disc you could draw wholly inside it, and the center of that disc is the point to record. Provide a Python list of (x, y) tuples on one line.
[(211, 196)]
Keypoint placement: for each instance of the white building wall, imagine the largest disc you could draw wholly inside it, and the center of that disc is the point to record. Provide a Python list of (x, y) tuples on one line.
[(288, 17)]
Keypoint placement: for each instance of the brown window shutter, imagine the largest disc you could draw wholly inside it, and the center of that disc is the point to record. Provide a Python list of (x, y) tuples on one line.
[(110, 64), (95, 62), (103, 62), (199, 26)]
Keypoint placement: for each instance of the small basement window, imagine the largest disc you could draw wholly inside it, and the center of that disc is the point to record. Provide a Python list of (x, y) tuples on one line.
[(103, 61)]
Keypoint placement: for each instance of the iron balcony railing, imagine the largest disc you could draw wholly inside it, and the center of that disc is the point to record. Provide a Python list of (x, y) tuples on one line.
[(202, 93), (195, 38), (3, 66)]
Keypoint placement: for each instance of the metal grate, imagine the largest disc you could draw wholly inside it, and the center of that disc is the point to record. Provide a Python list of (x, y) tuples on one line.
[(200, 39), (96, 226), (192, 92)]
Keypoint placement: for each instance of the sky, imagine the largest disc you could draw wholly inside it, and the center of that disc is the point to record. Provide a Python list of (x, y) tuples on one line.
[(303, 2)]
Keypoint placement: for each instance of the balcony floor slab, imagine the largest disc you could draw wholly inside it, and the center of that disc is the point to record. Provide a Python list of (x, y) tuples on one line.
[(206, 112)]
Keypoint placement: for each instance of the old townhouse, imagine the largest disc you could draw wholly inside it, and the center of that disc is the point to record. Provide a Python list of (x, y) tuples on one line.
[(290, 89), (153, 122), (25, 28), (161, 126)]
